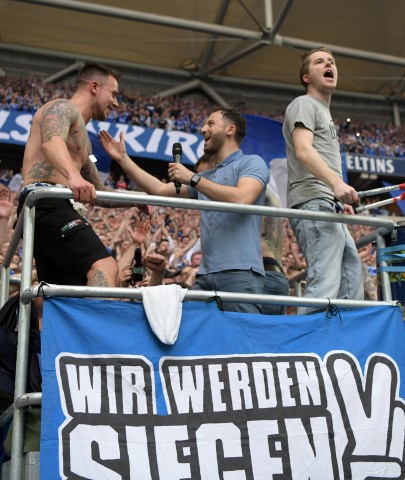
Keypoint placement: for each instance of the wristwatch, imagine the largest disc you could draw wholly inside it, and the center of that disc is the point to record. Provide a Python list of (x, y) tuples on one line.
[(194, 180)]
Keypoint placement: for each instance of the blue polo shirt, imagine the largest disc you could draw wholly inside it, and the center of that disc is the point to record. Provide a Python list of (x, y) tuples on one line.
[(231, 241)]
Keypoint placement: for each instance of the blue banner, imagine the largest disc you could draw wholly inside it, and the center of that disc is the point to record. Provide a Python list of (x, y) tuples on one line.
[(237, 396), (264, 137), (373, 165)]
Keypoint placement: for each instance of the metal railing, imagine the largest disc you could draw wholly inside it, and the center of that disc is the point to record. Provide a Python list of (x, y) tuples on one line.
[(26, 224)]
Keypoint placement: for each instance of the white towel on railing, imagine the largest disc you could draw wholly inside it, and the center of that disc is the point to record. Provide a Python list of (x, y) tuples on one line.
[(163, 307)]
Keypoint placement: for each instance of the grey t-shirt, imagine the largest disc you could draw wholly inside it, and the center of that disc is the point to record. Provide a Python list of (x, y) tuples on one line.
[(314, 115)]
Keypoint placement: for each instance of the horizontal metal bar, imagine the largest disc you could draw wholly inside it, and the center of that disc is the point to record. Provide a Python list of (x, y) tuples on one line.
[(135, 15), (27, 399), (21, 402), (45, 290), (374, 57), (224, 30), (385, 226), (142, 199)]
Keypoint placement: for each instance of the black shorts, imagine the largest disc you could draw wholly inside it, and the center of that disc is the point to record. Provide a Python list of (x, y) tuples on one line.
[(65, 245)]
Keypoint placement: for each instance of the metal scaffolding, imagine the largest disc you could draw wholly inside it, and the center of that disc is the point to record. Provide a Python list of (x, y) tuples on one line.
[(25, 224)]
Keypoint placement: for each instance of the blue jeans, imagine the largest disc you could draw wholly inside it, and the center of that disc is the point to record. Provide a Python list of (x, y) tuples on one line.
[(334, 266), (275, 283), (243, 281)]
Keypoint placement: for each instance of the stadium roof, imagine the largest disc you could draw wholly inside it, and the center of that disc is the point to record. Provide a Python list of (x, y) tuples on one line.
[(203, 44)]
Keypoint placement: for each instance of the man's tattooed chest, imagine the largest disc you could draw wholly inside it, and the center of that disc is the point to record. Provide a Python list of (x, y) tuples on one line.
[(78, 141)]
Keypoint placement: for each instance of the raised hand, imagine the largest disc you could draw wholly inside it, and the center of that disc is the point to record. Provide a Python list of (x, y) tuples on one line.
[(124, 275), (141, 230), (6, 204), (155, 262), (146, 210), (115, 149)]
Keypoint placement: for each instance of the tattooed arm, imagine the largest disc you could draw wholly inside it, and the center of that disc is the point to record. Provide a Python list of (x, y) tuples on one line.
[(61, 123), (90, 173)]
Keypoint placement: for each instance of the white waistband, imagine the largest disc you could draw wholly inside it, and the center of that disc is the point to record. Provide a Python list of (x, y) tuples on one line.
[(33, 186), (78, 206)]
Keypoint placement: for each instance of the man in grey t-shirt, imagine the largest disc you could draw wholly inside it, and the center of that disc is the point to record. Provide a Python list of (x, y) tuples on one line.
[(315, 183)]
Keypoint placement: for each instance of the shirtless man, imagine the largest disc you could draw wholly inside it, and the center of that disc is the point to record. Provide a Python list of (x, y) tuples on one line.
[(66, 249)]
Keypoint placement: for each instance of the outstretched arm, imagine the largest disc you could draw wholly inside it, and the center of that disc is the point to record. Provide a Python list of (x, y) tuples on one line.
[(148, 183), (246, 191), (156, 263)]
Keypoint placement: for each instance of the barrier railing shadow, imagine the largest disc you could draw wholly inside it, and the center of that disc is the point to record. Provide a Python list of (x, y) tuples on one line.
[(25, 229)]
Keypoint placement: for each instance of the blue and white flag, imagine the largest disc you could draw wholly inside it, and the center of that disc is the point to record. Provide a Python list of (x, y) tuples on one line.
[(264, 137), (238, 396)]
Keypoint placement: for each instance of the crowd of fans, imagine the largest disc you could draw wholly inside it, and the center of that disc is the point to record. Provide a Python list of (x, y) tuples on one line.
[(372, 139), (174, 233), (175, 113), (172, 113)]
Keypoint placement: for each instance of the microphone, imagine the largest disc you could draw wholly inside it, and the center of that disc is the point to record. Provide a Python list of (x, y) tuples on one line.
[(177, 153)]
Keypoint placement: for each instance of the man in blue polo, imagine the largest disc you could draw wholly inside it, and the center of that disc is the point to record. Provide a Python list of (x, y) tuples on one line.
[(230, 242)]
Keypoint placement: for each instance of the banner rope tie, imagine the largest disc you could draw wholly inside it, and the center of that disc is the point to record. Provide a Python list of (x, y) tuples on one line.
[(40, 291), (218, 301), (333, 311)]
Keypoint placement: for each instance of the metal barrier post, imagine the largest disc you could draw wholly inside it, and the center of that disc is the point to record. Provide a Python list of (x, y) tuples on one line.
[(5, 285), (384, 276), (5, 267), (22, 347), (26, 224), (298, 289)]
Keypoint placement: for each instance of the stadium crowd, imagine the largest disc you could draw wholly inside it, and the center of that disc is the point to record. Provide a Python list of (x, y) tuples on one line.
[(174, 233), (175, 113), (169, 238), (372, 139)]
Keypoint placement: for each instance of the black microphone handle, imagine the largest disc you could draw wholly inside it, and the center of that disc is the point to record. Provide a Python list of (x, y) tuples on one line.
[(177, 159)]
